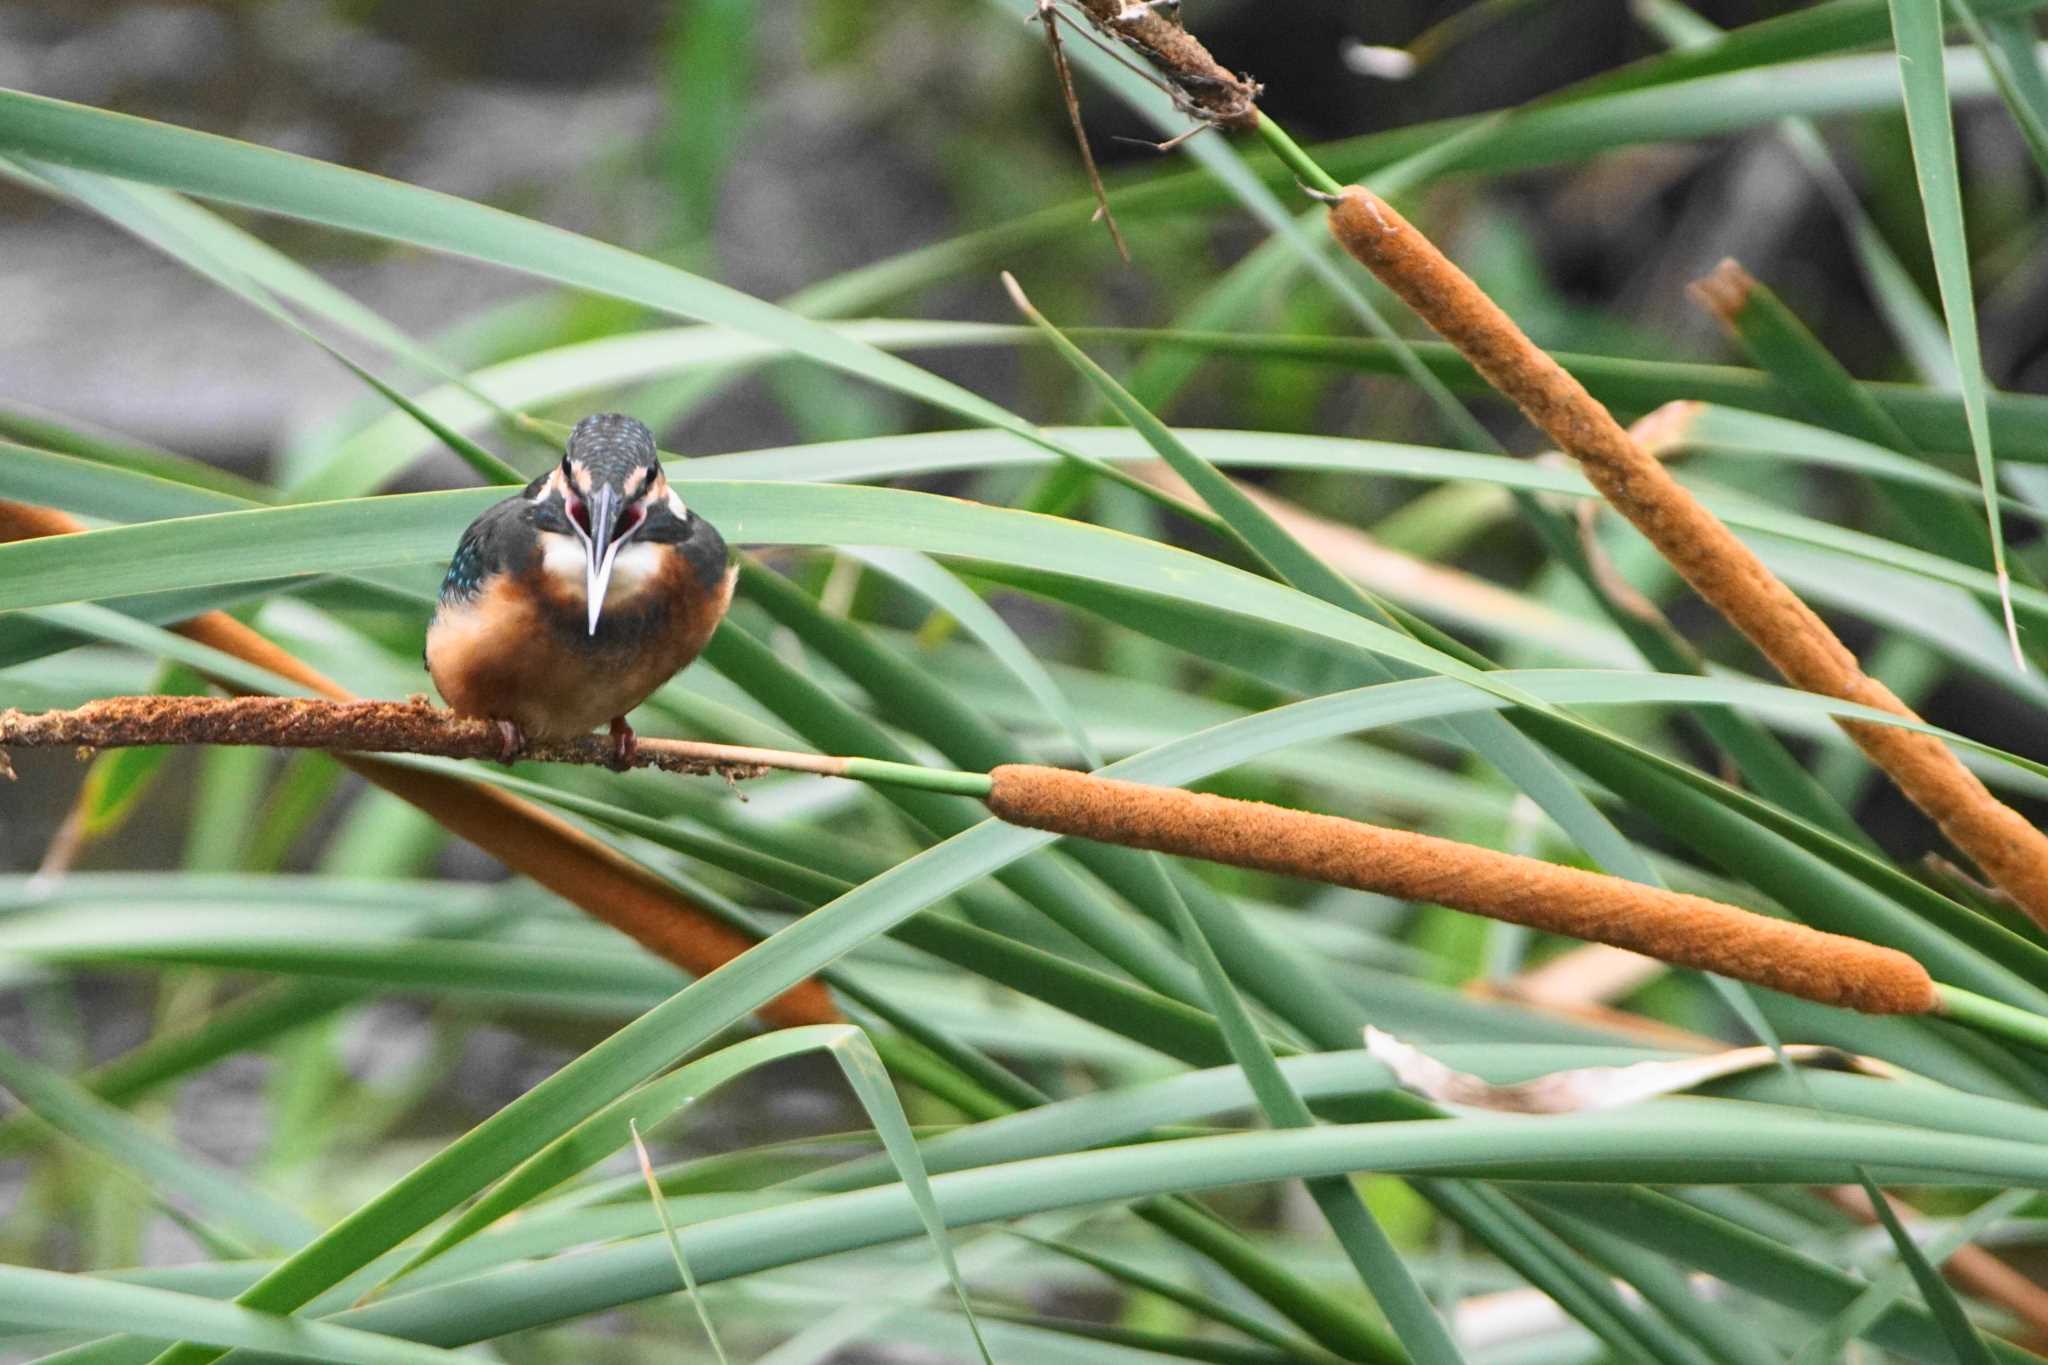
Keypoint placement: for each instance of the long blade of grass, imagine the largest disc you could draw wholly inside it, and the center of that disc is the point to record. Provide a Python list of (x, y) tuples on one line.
[(2008, 50), (1372, 1253), (1834, 26), (46, 431), (1916, 31), (44, 1298), (1933, 419), (1680, 1141), (870, 1081), (278, 182), (1963, 1337), (675, 1243), (260, 264)]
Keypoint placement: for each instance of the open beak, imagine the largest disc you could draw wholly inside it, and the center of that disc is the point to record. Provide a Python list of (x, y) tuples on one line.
[(601, 550)]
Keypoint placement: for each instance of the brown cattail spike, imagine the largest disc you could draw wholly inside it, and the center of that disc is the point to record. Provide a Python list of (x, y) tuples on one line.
[(1687, 930), (1718, 565)]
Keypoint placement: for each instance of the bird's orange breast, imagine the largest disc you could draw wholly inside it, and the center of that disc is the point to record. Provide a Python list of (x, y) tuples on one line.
[(520, 651)]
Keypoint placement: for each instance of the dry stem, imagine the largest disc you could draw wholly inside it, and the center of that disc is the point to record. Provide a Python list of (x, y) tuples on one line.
[(1063, 74), (411, 727), (1204, 86), (1718, 565)]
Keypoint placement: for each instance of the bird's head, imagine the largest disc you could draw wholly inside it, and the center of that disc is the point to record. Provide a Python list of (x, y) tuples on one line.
[(607, 485)]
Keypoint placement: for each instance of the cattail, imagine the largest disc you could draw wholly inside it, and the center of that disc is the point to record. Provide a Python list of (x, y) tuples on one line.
[(1687, 930), (1719, 566)]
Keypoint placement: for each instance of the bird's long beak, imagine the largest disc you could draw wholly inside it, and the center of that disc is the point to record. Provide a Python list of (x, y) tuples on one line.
[(602, 550)]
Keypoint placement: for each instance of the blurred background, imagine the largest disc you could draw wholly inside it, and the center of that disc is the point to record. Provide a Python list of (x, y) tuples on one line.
[(780, 144)]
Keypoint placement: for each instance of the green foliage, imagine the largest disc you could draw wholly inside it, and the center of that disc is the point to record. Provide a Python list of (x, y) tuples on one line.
[(1063, 1041)]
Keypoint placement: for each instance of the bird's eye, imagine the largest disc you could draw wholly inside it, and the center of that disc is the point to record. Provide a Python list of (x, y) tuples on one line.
[(579, 514), (634, 516)]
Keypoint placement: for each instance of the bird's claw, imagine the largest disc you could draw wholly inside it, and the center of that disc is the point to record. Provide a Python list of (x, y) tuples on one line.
[(625, 744), (510, 741)]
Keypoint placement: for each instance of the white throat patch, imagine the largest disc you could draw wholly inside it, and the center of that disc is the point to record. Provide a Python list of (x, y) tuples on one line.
[(561, 558)]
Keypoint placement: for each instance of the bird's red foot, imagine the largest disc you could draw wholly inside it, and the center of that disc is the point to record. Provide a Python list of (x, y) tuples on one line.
[(625, 744), (510, 741)]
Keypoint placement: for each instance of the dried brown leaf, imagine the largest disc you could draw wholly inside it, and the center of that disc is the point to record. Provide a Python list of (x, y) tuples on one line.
[(1575, 1091)]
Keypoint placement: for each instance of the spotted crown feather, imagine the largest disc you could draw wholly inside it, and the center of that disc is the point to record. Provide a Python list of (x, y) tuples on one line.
[(612, 445)]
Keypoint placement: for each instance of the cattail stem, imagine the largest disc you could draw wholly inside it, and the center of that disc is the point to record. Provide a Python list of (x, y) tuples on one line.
[(1990, 1016), (417, 727), (911, 775), (1297, 160)]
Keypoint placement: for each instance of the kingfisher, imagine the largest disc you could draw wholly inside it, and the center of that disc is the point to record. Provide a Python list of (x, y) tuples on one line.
[(566, 606)]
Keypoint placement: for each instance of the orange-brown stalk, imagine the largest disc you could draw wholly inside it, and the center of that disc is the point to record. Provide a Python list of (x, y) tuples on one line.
[(2012, 853), (518, 833), (1687, 930)]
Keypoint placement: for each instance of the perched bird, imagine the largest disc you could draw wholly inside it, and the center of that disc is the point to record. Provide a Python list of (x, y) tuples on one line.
[(567, 606)]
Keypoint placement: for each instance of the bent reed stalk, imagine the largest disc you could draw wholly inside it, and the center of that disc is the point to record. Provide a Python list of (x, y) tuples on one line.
[(1685, 930)]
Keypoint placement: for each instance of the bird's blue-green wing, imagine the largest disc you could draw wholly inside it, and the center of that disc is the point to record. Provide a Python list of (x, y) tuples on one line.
[(493, 544)]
